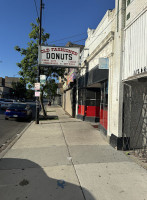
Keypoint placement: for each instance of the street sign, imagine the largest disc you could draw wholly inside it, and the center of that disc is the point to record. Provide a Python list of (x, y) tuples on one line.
[(59, 56), (37, 86), (42, 79), (103, 63), (37, 94)]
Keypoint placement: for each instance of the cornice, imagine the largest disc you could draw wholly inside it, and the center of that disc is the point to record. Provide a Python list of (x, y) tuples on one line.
[(99, 48)]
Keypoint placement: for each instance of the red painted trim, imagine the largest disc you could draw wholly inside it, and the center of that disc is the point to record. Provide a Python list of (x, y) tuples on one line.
[(103, 118), (81, 110), (93, 111)]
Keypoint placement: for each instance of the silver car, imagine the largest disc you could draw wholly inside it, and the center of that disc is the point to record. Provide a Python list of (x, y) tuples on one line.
[(1, 101), (5, 104)]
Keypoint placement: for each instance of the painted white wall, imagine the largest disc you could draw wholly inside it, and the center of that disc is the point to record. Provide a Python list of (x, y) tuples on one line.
[(132, 41), (134, 8), (95, 39), (115, 98), (135, 47)]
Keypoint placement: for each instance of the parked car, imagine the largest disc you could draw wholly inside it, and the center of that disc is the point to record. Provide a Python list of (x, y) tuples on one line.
[(1, 101), (7, 103), (22, 100), (19, 111)]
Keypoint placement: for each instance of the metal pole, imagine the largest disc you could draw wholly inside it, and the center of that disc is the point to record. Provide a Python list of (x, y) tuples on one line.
[(38, 73)]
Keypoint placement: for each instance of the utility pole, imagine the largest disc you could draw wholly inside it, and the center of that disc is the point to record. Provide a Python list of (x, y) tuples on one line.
[(38, 72)]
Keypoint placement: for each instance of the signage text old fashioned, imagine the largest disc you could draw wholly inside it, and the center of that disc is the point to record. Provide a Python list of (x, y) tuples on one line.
[(59, 56)]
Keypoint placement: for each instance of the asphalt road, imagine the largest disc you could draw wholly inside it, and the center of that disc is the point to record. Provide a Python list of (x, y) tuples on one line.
[(10, 128)]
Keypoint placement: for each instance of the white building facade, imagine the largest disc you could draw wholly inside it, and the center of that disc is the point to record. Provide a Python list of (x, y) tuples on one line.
[(134, 75), (93, 81), (126, 88)]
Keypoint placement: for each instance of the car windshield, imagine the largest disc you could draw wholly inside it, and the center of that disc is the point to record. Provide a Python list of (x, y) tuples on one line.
[(18, 106)]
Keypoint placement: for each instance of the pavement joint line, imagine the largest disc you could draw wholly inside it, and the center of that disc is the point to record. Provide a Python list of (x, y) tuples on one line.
[(72, 160), (2, 154)]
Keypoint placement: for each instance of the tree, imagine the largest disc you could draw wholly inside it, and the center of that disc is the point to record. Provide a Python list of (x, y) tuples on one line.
[(51, 89), (30, 94), (18, 89), (29, 63)]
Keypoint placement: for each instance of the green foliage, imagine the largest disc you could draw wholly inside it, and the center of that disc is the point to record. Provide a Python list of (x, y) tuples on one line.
[(29, 94), (18, 89), (51, 88), (29, 64)]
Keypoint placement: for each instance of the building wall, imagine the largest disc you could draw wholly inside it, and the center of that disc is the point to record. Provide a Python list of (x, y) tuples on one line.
[(134, 9), (68, 107), (95, 46), (115, 98), (4, 92), (99, 44), (9, 80), (63, 100), (2, 81), (135, 47)]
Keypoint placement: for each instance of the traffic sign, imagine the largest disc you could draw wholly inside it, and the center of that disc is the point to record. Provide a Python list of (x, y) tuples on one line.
[(37, 86)]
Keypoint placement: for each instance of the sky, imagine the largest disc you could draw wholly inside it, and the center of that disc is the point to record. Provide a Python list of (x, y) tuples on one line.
[(61, 19)]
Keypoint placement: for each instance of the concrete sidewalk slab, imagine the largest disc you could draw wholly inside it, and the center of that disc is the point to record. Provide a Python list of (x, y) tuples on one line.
[(83, 154), (39, 142), (83, 137), (44, 156), (41, 136), (51, 183), (110, 181), (68, 159)]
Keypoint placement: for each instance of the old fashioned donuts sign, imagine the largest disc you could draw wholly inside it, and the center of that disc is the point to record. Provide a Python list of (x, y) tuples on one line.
[(59, 56)]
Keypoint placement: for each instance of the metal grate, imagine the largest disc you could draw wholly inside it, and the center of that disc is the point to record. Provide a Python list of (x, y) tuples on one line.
[(135, 119)]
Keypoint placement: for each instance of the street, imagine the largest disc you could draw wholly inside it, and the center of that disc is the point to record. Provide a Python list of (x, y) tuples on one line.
[(10, 128)]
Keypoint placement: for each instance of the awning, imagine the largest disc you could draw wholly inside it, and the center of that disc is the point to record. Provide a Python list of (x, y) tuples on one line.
[(93, 78)]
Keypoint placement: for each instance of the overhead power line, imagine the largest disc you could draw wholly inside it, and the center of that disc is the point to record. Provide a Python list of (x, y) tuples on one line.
[(62, 43), (36, 8), (68, 37)]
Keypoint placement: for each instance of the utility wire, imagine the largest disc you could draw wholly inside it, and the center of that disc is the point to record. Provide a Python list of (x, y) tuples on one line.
[(105, 28), (68, 37), (71, 41), (36, 8), (92, 36)]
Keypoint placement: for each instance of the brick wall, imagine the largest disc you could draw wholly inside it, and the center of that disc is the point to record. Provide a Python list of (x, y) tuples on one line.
[(9, 80)]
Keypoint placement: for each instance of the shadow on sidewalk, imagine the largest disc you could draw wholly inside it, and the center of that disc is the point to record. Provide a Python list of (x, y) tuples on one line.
[(22, 179)]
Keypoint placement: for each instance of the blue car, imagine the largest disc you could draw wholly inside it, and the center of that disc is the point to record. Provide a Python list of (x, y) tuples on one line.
[(18, 111)]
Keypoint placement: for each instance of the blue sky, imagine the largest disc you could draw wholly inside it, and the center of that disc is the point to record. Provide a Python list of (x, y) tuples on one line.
[(62, 19)]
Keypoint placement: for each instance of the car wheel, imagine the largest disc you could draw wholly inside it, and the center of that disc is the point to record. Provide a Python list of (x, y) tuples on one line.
[(6, 118)]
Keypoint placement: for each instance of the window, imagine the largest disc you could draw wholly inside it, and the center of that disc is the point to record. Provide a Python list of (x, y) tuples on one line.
[(128, 2), (128, 16)]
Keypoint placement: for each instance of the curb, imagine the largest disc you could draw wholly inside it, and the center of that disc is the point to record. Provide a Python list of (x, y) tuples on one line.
[(14, 140)]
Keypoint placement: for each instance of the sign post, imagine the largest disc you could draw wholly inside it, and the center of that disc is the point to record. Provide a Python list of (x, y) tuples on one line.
[(37, 95), (38, 71)]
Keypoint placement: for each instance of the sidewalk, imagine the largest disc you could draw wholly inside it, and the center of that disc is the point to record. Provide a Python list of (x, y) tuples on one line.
[(67, 159)]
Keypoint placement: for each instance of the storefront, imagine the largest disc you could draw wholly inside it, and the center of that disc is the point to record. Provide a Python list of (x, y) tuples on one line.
[(90, 97)]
